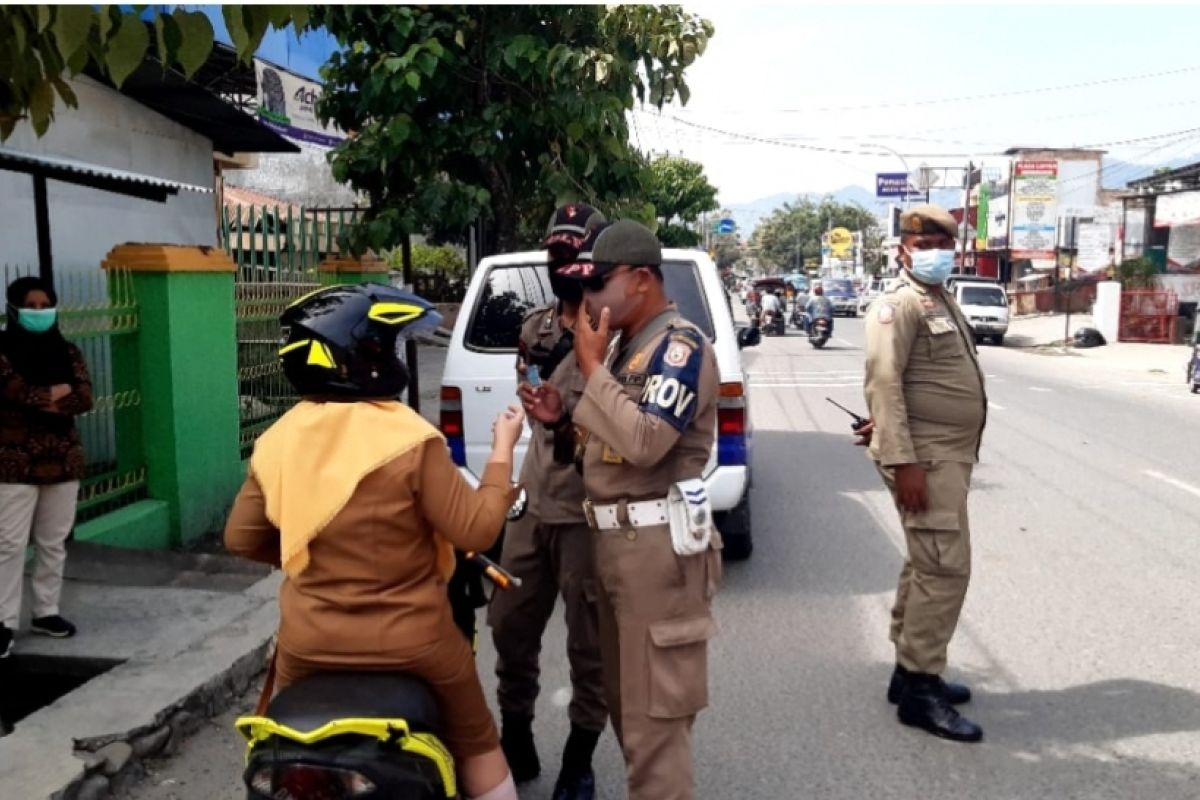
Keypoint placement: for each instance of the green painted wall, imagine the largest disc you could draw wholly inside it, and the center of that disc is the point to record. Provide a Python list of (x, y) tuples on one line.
[(145, 525), (188, 376)]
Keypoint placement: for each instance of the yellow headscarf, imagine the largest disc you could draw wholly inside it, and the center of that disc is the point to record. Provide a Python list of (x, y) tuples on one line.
[(311, 461)]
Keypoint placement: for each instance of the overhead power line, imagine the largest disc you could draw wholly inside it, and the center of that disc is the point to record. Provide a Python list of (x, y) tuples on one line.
[(973, 98), (859, 152)]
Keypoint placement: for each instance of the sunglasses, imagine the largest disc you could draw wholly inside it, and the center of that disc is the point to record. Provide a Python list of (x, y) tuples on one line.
[(596, 283)]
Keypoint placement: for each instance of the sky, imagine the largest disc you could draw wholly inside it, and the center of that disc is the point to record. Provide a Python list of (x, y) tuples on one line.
[(907, 76)]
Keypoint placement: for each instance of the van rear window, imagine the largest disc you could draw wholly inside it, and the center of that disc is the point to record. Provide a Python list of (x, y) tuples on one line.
[(982, 296), (511, 291)]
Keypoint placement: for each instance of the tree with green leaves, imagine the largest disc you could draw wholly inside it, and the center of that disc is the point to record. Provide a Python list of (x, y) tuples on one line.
[(680, 193), (42, 46), (496, 113), (791, 235)]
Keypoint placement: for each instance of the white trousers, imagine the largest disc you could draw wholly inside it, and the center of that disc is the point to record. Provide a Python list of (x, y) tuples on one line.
[(43, 515)]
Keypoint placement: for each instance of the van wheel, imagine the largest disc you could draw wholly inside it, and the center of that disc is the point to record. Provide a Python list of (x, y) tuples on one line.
[(998, 340), (734, 526)]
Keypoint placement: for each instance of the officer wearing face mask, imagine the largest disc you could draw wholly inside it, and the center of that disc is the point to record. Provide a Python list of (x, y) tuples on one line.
[(926, 396), (550, 548)]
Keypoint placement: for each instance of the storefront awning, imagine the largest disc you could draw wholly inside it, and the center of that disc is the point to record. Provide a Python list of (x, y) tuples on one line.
[(95, 176)]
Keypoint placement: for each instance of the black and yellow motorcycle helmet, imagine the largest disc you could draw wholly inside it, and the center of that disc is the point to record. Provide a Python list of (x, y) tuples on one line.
[(348, 341)]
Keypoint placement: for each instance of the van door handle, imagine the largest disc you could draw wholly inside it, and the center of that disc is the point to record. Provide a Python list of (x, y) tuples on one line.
[(483, 389)]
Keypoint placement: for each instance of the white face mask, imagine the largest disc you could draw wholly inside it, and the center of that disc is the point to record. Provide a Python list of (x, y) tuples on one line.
[(931, 266)]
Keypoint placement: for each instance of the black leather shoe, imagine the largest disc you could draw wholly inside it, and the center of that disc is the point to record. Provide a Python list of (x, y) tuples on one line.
[(580, 786), (955, 693), (924, 706), (516, 740)]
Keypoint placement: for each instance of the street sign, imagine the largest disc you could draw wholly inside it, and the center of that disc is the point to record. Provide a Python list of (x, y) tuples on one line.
[(892, 184), (726, 226)]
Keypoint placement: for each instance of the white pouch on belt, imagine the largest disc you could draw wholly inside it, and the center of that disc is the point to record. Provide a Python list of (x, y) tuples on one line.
[(691, 517)]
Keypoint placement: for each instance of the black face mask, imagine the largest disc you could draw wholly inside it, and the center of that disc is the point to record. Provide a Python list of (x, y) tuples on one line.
[(566, 289)]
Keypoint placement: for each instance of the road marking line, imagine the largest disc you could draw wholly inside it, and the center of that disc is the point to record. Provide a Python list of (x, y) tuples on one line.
[(1039, 389), (996, 406), (1178, 484)]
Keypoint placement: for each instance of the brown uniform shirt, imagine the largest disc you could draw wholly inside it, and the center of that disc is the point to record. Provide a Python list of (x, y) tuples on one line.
[(652, 417), (923, 385), (372, 587), (555, 487)]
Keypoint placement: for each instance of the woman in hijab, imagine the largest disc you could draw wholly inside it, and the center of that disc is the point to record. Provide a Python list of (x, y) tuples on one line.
[(44, 385)]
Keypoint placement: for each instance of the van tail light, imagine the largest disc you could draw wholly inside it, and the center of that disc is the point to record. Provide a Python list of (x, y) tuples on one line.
[(731, 425), (451, 424)]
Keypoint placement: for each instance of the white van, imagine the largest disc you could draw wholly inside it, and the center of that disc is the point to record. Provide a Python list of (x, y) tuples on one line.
[(480, 376), (985, 305)]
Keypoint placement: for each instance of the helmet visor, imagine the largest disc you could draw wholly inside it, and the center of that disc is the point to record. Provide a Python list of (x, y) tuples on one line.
[(425, 325)]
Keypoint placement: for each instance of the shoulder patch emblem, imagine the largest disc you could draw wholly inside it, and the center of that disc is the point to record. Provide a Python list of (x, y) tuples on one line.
[(677, 354), (637, 362), (886, 314)]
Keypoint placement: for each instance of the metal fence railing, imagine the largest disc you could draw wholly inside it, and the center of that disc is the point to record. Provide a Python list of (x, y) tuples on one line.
[(1148, 315), (98, 312), (277, 252)]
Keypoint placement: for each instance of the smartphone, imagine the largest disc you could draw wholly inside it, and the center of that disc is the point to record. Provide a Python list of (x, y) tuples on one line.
[(532, 376)]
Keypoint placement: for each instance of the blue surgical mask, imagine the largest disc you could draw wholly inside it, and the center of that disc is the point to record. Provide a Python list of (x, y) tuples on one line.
[(37, 320), (932, 267)]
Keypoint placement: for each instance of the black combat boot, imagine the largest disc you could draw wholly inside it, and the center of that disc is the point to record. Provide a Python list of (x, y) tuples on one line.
[(923, 705), (516, 740), (576, 781), (955, 693)]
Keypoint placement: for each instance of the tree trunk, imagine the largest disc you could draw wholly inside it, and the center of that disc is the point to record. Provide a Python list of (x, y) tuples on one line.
[(502, 234)]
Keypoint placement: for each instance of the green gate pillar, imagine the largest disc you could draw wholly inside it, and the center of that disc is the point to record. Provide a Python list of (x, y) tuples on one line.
[(347, 269), (187, 371)]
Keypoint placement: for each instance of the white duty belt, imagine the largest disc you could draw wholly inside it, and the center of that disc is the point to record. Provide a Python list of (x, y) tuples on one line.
[(643, 514)]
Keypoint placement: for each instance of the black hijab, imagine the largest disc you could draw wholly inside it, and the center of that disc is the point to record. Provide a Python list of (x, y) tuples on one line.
[(42, 359)]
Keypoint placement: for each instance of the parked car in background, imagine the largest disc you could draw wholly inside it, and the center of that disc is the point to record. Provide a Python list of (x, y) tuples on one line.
[(985, 305), (480, 376), (841, 293)]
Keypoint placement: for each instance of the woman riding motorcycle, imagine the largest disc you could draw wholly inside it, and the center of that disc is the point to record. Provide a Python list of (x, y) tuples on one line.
[(355, 495)]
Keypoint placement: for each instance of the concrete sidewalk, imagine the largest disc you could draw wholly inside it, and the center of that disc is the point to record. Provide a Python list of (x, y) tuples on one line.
[(1044, 333), (165, 641)]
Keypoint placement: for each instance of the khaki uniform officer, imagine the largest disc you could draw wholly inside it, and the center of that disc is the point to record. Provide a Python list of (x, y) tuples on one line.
[(550, 548), (925, 392), (647, 420)]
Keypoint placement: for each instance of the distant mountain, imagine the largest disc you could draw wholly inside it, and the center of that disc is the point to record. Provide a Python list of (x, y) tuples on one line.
[(1117, 173)]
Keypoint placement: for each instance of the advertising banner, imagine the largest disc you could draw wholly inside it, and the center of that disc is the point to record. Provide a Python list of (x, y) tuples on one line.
[(1134, 232), (997, 223), (1035, 196), (1183, 249), (1092, 244), (1177, 209), (981, 218), (287, 105)]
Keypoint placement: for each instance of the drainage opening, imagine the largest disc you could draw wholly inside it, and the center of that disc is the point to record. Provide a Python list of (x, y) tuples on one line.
[(32, 682)]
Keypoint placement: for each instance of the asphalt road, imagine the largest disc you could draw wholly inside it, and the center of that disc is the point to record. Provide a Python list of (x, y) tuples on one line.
[(1080, 636)]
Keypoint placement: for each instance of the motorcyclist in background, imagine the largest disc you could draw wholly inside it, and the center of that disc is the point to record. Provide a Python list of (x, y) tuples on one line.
[(818, 307)]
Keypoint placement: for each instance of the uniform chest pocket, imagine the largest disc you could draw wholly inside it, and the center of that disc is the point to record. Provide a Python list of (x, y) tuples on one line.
[(944, 339)]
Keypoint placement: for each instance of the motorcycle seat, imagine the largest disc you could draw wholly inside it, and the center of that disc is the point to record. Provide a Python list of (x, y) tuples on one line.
[(318, 699)]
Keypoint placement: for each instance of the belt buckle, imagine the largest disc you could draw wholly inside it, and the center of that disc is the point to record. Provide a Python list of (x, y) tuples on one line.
[(589, 513)]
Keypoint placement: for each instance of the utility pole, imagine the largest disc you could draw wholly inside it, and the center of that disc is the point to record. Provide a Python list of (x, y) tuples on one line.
[(962, 269)]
